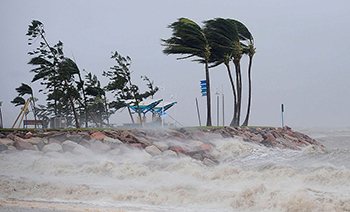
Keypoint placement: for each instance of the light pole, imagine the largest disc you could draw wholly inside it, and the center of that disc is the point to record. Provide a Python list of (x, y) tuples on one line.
[(1, 124), (217, 108)]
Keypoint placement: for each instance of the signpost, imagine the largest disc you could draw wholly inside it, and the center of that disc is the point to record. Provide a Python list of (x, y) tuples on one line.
[(282, 108), (203, 84)]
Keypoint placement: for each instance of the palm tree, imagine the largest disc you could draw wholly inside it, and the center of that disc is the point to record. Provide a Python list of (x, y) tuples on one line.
[(26, 89), (223, 38), (248, 49), (188, 38)]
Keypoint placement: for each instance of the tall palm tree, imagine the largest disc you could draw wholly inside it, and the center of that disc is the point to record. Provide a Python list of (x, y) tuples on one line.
[(224, 39), (247, 43), (188, 38), (250, 51)]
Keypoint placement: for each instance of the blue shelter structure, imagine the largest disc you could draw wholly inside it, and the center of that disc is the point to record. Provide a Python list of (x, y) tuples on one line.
[(155, 106)]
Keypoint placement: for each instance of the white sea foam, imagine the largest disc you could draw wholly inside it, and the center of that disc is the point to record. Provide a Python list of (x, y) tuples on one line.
[(250, 177)]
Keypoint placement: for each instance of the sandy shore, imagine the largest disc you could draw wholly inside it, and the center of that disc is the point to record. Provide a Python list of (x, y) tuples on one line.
[(24, 206)]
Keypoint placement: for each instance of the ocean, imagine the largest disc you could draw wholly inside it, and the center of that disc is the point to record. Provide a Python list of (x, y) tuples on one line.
[(250, 177)]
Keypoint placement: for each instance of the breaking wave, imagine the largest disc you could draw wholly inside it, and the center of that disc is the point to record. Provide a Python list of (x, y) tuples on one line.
[(250, 177)]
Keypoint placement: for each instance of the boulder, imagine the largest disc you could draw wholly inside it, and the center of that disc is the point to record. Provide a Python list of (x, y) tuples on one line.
[(28, 135), (206, 147), (68, 146), (53, 147), (21, 144), (3, 147), (6, 141), (143, 141), (99, 147), (153, 150), (179, 150), (98, 135), (81, 150), (113, 143), (161, 146), (208, 162), (76, 138), (169, 154)]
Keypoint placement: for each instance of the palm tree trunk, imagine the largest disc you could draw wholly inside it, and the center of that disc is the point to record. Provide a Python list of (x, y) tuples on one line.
[(234, 93), (208, 94), (245, 123), (239, 91)]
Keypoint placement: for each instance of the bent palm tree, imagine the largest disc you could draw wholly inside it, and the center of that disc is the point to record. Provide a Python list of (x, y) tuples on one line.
[(249, 49), (26, 89), (224, 39), (189, 39)]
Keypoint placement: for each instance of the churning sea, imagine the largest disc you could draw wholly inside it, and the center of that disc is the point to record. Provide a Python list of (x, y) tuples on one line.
[(250, 177)]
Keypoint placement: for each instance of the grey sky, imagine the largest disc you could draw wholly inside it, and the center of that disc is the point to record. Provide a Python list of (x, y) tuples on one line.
[(302, 57)]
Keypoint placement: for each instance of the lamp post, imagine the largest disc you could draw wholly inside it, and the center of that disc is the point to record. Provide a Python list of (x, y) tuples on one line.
[(1, 124), (217, 108)]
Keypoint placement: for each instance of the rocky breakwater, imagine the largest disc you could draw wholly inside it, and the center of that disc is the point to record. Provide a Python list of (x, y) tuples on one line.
[(197, 143)]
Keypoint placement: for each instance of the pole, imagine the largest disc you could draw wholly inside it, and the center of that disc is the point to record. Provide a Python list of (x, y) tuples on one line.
[(223, 110), (199, 116), (217, 110), (282, 108), (1, 123)]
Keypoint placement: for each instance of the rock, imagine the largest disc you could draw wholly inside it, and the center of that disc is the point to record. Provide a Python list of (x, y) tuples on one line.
[(169, 154), (113, 143), (196, 143), (6, 141), (21, 144), (208, 162), (99, 147), (77, 138), (206, 147), (135, 145), (98, 135), (143, 141), (179, 150), (28, 135), (53, 147), (81, 150), (2, 135), (54, 140), (58, 137), (68, 146), (176, 134), (153, 150), (34, 140), (85, 143), (3, 147), (53, 154), (257, 138), (161, 146)]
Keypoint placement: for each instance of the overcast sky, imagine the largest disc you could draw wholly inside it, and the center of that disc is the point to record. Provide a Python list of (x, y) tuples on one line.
[(302, 54)]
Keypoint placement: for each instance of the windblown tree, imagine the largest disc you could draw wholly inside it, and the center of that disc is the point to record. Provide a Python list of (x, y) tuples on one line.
[(50, 69), (189, 39), (23, 90), (224, 41), (225, 38), (96, 99), (121, 85)]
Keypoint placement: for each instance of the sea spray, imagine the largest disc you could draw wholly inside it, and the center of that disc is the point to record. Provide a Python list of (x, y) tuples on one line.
[(249, 177)]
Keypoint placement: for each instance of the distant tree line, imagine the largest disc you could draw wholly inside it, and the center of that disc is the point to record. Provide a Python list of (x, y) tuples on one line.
[(219, 41), (79, 99)]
